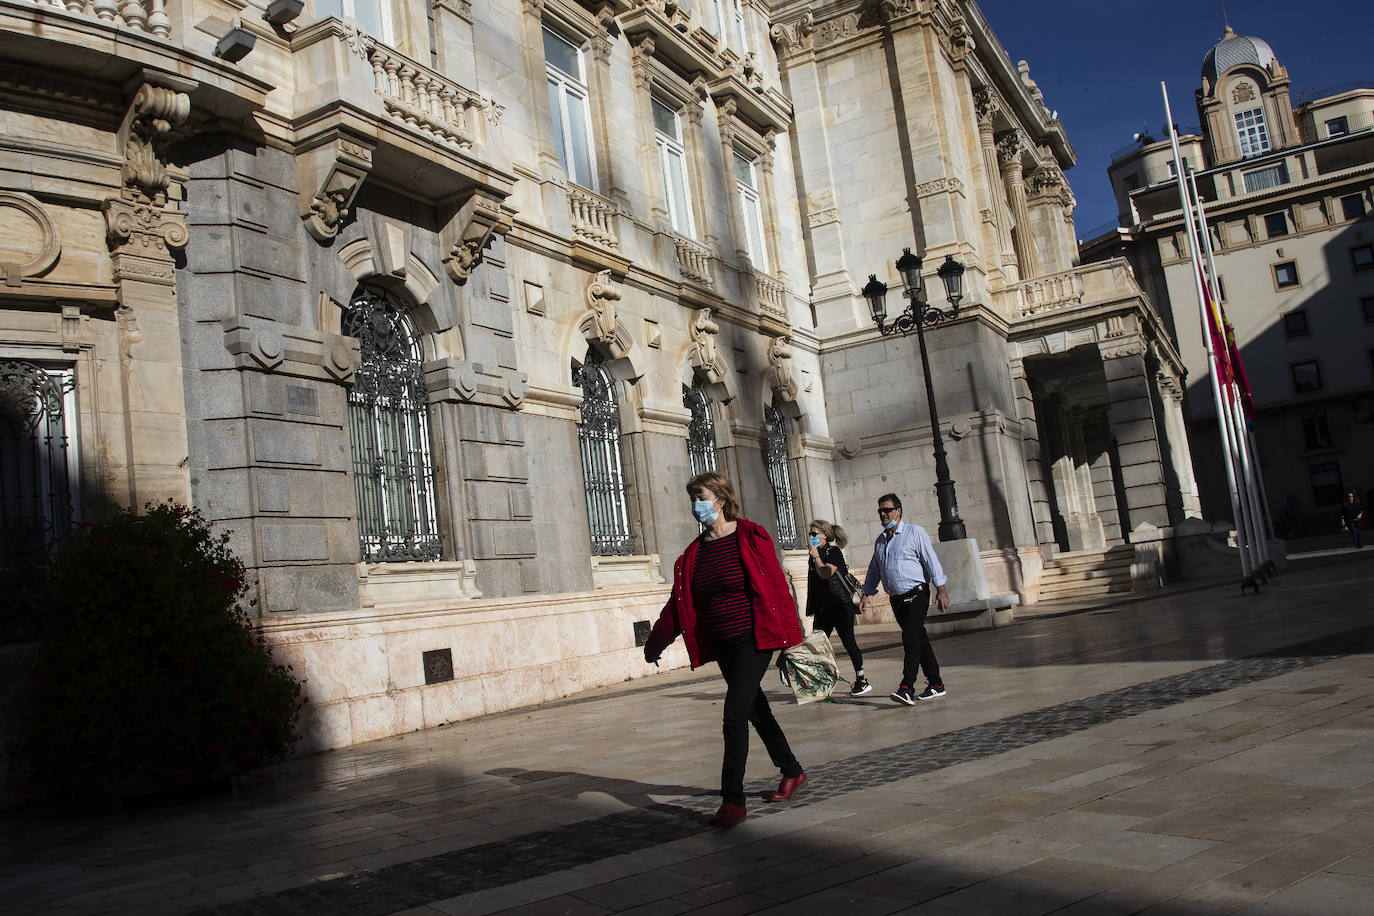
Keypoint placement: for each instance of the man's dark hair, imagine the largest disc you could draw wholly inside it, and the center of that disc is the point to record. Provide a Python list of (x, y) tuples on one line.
[(891, 498)]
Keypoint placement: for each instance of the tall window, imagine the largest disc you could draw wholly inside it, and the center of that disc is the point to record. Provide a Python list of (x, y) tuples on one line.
[(568, 105), (701, 432), (746, 181), (38, 484), (373, 15), (393, 472), (672, 162), (729, 16), (780, 476), (603, 474), (1252, 132), (1271, 176)]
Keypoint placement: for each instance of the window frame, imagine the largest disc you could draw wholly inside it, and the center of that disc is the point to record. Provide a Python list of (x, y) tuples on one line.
[(569, 93), (1292, 333), (1355, 263), (610, 523), (670, 150), (1358, 198), (1293, 371), (1252, 131), (779, 468), (347, 9), (1325, 467), (1278, 281), (1279, 170), (1344, 122), (701, 430), (744, 196), (1269, 222), (1367, 306)]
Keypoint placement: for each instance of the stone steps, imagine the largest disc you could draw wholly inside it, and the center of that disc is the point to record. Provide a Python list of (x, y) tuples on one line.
[(1087, 573)]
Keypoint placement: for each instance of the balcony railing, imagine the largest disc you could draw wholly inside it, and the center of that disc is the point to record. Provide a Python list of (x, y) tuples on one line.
[(144, 15), (423, 99), (1048, 294), (694, 260), (592, 217), (770, 293)]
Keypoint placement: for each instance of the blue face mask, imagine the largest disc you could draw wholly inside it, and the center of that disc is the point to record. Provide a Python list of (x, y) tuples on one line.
[(890, 524), (814, 540), (704, 510)]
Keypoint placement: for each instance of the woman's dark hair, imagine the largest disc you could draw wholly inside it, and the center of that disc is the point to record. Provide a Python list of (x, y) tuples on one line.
[(718, 484)]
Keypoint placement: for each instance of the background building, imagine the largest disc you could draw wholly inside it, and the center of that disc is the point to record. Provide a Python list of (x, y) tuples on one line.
[(436, 308), (1288, 198)]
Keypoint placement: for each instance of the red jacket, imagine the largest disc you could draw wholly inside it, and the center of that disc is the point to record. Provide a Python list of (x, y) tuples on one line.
[(776, 625)]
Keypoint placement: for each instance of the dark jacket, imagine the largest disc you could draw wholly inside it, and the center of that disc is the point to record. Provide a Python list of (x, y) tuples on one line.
[(776, 625), (822, 601)]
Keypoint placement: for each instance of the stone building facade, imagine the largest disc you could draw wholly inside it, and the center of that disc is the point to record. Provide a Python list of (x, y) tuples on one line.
[(435, 307), (1289, 198)]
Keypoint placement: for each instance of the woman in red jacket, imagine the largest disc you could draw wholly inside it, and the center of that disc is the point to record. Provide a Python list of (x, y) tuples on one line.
[(731, 605)]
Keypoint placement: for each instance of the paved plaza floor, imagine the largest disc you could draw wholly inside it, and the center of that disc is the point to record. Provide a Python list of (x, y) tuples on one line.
[(1190, 751)]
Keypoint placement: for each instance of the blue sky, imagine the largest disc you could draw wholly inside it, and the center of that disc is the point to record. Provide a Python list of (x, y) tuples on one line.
[(1100, 62)]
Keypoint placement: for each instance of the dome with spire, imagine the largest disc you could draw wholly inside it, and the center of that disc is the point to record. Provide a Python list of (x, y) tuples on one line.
[(1234, 50)]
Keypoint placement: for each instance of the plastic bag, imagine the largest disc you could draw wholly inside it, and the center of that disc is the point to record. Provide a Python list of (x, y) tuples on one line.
[(809, 668)]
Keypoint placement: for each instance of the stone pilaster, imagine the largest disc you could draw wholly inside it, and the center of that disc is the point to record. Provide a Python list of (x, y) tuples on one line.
[(1133, 426), (1176, 441), (986, 104), (1009, 148)]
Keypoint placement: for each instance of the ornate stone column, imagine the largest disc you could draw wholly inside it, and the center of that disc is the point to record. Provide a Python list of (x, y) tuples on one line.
[(1176, 438), (988, 105), (143, 229), (1009, 148)]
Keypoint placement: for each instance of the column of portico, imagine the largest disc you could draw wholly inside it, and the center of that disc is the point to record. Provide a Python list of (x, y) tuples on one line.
[(1032, 452), (1180, 454), (1130, 415), (1084, 524), (1009, 147), (987, 105)]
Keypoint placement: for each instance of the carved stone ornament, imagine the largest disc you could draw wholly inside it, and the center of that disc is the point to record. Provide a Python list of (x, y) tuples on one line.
[(151, 117), (796, 35), (986, 104), (1244, 92), (602, 296), (143, 229), (31, 244), (704, 354), (334, 169), (779, 374), (1047, 181), (467, 234), (1009, 148)]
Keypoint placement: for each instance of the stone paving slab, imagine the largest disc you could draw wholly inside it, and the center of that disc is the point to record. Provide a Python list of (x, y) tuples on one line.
[(1192, 751)]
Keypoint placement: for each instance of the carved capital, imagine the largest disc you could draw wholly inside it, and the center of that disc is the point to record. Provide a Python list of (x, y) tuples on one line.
[(987, 105), (142, 229), (1009, 149), (796, 35)]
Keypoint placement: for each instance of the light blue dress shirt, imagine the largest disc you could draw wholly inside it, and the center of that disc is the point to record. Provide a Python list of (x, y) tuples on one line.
[(903, 561)]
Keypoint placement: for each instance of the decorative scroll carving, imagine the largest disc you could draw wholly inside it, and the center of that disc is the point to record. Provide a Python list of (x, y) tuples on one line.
[(467, 234), (704, 354), (987, 105), (677, 14), (948, 184), (838, 29), (796, 35), (779, 373), (1009, 148), (334, 169), (641, 56), (32, 253), (1130, 346), (602, 296), (155, 111)]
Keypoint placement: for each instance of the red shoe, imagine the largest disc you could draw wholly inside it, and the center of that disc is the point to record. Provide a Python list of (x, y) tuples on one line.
[(728, 816), (788, 787)]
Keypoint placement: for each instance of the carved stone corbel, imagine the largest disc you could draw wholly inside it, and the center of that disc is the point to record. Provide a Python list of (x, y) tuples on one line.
[(466, 235), (704, 355), (602, 296), (152, 116), (331, 171), (795, 35), (779, 374)]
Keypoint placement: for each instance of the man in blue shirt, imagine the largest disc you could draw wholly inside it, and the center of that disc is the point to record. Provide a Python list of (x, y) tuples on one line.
[(904, 562)]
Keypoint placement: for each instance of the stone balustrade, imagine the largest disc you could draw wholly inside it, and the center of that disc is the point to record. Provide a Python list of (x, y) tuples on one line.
[(144, 15), (694, 260), (1063, 290), (770, 293), (424, 99), (593, 217)]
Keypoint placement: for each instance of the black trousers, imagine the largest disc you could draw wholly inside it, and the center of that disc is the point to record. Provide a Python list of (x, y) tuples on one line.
[(917, 655), (746, 704), (830, 620)]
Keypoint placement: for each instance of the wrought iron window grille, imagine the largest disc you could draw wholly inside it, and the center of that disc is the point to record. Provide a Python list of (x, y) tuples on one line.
[(780, 476), (603, 473), (701, 431)]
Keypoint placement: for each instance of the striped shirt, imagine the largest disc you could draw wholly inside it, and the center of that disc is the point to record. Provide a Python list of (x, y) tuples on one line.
[(719, 590)]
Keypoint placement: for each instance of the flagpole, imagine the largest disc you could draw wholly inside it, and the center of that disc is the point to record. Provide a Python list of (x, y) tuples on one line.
[(1248, 465), (1247, 571)]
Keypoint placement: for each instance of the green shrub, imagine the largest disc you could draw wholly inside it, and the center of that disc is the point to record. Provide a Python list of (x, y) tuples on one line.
[(152, 678)]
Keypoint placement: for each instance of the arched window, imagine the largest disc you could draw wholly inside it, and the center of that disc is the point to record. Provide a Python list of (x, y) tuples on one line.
[(393, 471), (603, 474), (780, 476), (701, 432), (38, 483)]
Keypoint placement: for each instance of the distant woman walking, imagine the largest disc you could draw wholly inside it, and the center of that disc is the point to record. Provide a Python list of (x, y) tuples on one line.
[(731, 604), (1352, 515), (828, 603)]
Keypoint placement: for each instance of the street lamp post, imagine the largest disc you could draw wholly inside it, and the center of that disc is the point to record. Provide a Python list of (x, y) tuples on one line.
[(918, 314)]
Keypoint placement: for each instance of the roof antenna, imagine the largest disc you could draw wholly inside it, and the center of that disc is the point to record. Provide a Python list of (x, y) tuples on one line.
[(1225, 17)]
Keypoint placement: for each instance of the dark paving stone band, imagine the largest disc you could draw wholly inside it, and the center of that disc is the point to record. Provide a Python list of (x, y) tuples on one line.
[(491, 865)]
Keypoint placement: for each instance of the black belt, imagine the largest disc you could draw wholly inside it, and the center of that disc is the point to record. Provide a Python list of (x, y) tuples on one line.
[(912, 594)]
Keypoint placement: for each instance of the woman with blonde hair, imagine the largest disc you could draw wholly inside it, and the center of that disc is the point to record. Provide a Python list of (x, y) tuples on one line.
[(828, 600), (731, 604)]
